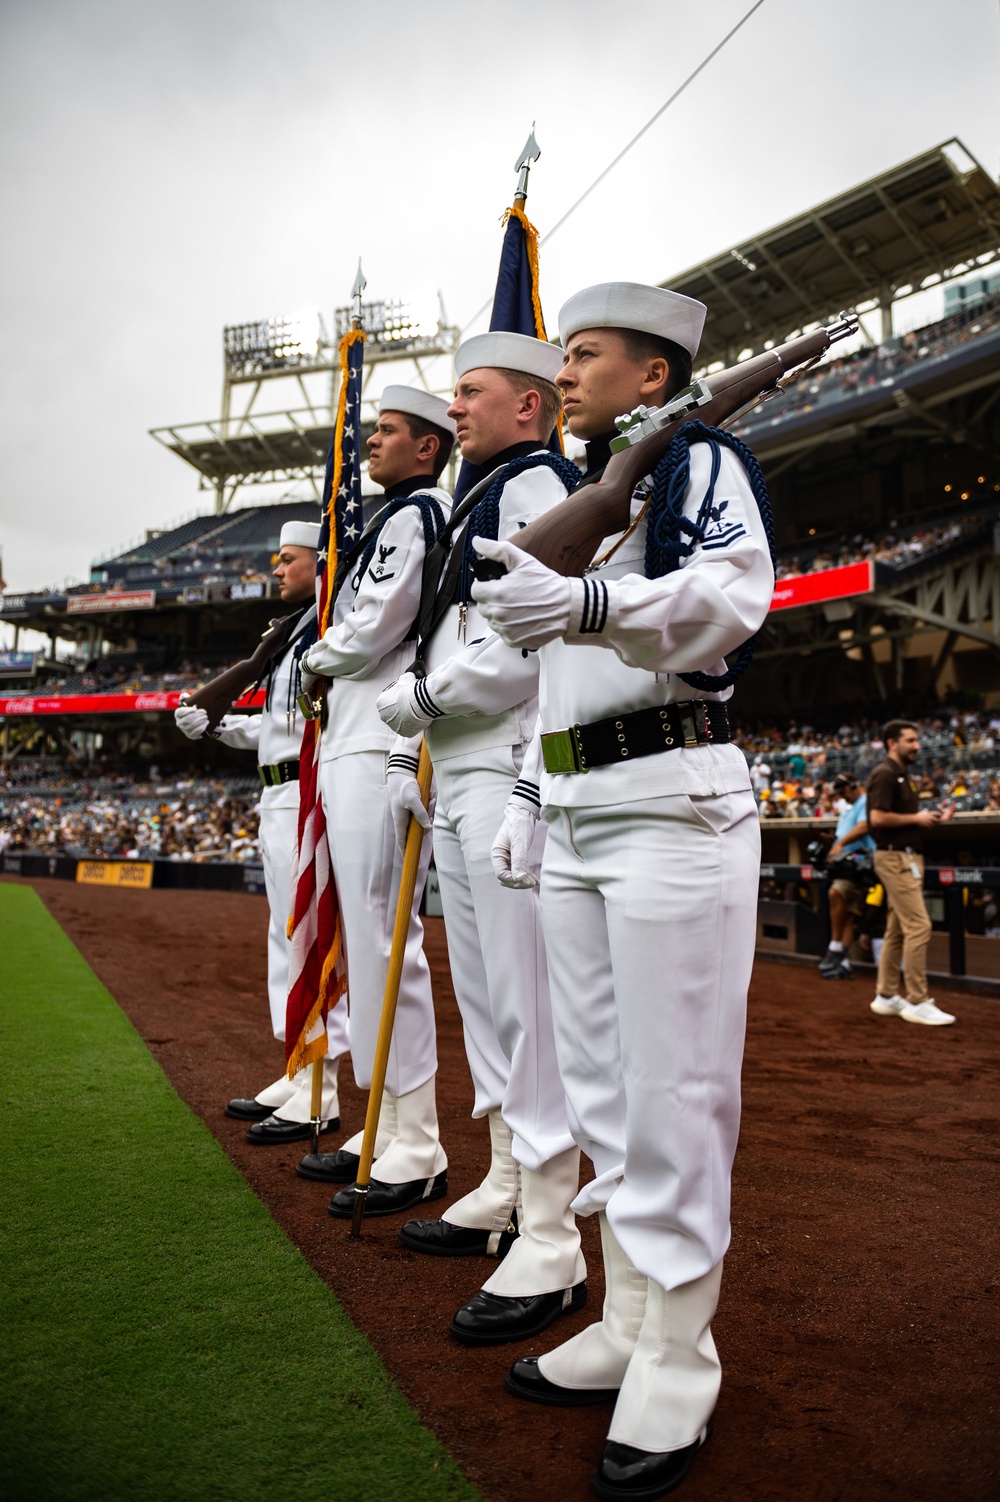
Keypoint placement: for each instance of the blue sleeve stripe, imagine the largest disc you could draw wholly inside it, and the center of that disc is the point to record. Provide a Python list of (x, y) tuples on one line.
[(422, 695), (595, 607)]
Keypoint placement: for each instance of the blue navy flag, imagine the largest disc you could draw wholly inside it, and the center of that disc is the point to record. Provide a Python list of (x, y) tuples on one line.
[(342, 513), (516, 305), (517, 308)]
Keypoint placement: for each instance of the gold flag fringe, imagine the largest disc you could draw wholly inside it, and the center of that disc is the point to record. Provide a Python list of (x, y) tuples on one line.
[(306, 1053)]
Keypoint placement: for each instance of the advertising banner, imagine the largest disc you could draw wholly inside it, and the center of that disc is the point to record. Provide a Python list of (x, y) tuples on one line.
[(115, 874), (25, 704), (16, 664), (124, 599), (828, 584)]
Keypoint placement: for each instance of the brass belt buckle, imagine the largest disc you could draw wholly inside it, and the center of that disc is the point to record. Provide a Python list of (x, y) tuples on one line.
[(561, 751)]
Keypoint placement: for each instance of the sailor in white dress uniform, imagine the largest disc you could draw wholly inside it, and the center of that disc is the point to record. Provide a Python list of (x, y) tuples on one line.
[(477, 706), (368, 643), (281, 1112), (649, 889)]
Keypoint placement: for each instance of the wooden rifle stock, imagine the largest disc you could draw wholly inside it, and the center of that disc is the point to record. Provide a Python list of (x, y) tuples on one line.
[(219, 696), (566, 537)]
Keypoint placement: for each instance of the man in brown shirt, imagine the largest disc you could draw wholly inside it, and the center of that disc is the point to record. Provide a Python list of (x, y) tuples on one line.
[(897, 823)]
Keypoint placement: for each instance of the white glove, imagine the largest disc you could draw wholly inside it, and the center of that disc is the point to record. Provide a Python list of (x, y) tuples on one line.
[(310, 670), (406, 708), (511, 850), (404, 800), (530, 605), (191, 721)]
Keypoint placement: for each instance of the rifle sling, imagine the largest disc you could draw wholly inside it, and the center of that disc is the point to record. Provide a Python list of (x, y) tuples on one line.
[(445, 559)]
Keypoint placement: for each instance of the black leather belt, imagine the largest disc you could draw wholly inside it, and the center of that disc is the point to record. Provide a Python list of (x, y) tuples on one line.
[(645, 732), (282, 771)]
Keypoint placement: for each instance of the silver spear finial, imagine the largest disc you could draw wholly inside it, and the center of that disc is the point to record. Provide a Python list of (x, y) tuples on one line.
[(359, 286), (530, 152)]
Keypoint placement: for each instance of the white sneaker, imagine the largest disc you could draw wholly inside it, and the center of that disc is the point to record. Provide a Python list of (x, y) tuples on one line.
[(927, 1013), (889, 1006)]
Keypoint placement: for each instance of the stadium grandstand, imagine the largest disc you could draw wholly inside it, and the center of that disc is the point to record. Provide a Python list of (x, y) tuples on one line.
[(108, 811), (883, 465)]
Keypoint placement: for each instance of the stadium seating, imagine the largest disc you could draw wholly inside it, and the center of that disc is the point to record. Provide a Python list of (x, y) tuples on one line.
[(116, 814), (851, 376)]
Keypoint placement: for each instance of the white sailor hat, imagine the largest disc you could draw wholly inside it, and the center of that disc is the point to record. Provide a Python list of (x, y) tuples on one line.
[(418, 404), (631, 305), (299, 535), (498, 350)]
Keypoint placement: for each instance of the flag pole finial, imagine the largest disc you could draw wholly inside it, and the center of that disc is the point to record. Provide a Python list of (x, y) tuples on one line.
[(530, 152), (359, 286)]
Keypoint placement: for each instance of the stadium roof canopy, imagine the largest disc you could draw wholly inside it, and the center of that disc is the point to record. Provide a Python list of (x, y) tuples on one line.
[(928, 220)]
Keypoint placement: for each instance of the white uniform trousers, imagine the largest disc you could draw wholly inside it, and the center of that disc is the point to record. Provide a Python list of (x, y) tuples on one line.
[(279, 849), (367, 865), (650, 913), (497, 958)]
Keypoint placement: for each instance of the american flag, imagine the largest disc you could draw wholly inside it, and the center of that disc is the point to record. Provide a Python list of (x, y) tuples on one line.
[(317, 973)]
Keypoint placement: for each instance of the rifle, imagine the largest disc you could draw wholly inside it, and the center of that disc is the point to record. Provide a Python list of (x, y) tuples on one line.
[(219, 696), (567, 536)]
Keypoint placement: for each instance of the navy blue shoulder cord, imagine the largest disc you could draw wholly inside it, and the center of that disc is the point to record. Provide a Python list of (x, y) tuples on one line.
[(432, 518), (671, 536), (484, 519)]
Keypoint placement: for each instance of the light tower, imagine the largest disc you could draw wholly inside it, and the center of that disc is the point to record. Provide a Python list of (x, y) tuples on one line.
[(289, 439)]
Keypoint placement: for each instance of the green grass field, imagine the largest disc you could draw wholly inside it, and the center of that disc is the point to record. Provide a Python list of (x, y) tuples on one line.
[(162, 1339)]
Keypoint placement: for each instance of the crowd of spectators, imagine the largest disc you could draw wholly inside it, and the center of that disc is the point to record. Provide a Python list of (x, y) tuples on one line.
[(897, 548), (108, 676), (108, 814), (109, 810), (792, 767), (867, 369)]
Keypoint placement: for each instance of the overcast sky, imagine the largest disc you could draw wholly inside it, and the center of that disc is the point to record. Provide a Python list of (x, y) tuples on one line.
[(168, 169)]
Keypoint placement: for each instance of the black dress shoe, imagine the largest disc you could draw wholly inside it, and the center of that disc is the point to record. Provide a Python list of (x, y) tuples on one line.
[(248, 1110), (489, 1319), (626, 1474), (274, 1132), (525, 1380), (331, 1168), (442, 1239), (390, 1199)]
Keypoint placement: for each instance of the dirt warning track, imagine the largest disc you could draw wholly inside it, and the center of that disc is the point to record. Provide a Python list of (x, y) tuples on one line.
[(858, 1328)]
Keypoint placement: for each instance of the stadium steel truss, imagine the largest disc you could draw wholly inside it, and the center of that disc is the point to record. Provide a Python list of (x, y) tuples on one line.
[(929, 220)]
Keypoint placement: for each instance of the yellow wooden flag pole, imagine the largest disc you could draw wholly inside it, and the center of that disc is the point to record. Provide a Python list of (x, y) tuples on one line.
[(316, 1101), (407, 885)]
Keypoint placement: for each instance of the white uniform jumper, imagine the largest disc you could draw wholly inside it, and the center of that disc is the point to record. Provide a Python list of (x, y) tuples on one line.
[(276, 736), (486, 696), (649, 894), (363, 649)]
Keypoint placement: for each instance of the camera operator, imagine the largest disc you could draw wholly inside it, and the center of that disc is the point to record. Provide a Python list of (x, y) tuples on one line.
[(847, 889)]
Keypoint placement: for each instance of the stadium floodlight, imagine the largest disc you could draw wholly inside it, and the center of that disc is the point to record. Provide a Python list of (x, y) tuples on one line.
[(388, 323), (282, 343)]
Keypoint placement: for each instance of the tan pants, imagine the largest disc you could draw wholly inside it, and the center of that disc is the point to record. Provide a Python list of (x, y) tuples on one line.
[(908, 929)]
